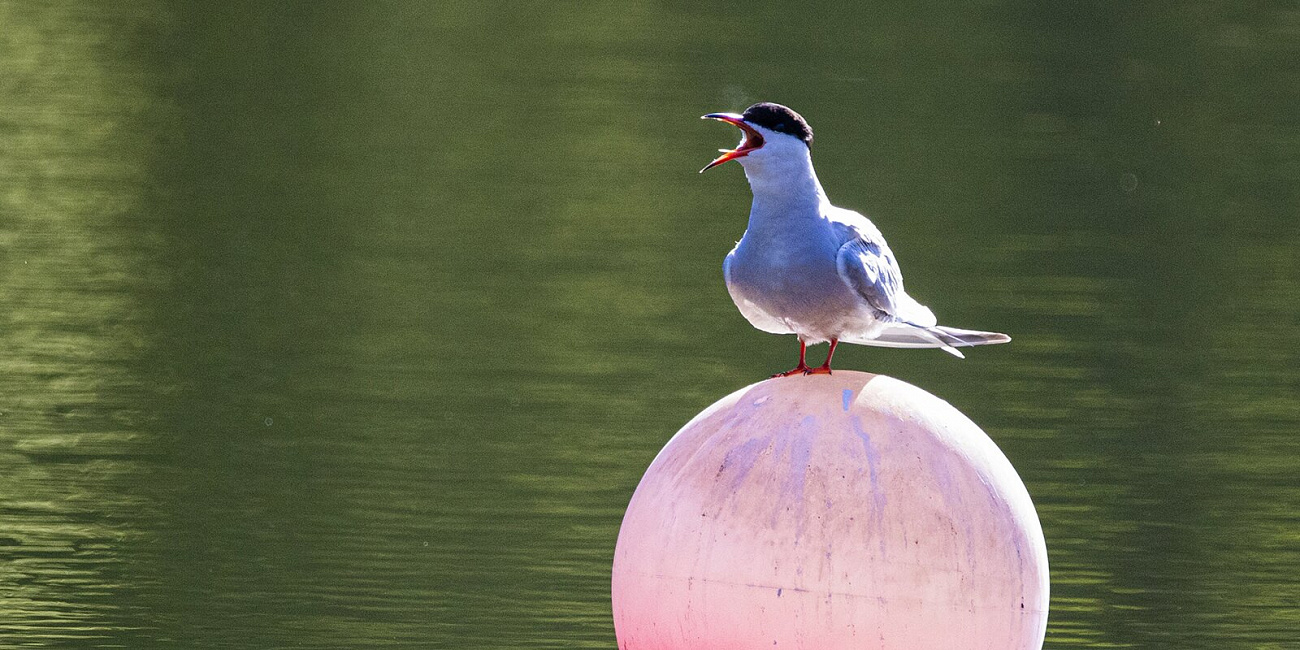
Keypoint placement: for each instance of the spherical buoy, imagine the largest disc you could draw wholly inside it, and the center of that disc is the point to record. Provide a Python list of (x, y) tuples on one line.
[(826, 513)]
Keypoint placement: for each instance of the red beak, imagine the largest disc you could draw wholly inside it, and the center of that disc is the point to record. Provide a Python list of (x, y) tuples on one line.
[(753, 139)]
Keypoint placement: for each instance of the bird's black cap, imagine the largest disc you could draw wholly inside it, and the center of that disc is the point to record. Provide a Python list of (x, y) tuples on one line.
[(779, 119)]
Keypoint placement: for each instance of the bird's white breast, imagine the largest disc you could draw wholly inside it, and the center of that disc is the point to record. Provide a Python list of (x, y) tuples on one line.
[(784, 280)]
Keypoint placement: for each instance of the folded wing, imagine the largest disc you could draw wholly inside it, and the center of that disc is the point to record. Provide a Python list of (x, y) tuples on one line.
[(867, 265)]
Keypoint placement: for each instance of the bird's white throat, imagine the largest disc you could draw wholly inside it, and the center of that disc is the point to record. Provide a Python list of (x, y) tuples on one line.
[(783, 181)]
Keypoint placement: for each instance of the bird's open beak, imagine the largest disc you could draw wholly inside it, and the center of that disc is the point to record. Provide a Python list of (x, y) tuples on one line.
[(753, 139)]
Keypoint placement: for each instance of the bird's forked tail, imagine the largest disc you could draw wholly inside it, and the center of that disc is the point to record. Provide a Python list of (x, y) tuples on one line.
[(948, 339)]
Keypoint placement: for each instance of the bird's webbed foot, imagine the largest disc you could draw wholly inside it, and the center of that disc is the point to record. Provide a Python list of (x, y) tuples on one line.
[(801, 369)]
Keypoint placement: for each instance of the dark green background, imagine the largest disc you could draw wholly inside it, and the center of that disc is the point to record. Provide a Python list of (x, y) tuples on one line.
[(355, 324)]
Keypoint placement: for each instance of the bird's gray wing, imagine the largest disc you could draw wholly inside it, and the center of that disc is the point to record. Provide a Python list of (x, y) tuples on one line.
[(868, 266)]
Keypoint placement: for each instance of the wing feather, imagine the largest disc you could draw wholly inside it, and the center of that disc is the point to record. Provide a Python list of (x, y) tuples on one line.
[(870, 269), (866, 264)]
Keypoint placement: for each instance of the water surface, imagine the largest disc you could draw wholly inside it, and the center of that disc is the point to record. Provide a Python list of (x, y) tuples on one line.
[(355, 324)]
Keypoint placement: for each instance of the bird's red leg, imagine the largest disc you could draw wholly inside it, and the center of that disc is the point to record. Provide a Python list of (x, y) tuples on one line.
[(825, 368), (802, 368)]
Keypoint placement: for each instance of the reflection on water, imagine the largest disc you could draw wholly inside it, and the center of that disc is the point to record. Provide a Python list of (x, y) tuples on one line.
[(75, 276), (356, 326)]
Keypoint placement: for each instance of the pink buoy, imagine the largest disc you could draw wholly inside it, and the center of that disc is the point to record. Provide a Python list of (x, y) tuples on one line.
[(825, 513)]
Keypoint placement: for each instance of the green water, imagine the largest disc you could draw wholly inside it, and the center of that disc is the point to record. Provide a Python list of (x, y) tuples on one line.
[(349, 325)]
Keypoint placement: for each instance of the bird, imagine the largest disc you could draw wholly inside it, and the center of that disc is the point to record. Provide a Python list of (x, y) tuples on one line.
[(808, 268)]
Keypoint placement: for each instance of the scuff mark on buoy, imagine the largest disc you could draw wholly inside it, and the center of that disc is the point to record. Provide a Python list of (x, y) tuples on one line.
[(741, 460), (873, 472)]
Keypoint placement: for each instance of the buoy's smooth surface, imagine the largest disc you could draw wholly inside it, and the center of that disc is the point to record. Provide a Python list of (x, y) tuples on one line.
[(828, 512)]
